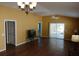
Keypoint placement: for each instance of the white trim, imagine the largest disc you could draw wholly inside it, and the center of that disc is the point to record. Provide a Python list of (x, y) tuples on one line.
[(15, 32), (4, 36), (24, 42), (18, 44), (21, 43), (2, 50)]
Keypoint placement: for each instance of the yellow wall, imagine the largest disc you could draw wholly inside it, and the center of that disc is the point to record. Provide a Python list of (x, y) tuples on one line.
[(24, 22), (70, 25)]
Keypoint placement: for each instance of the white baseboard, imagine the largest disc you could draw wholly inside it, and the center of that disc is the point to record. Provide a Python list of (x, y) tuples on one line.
[(18, 44), (2, 50), (24, 42)]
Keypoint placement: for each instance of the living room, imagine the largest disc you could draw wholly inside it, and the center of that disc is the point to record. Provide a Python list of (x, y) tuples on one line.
[(40, 19)]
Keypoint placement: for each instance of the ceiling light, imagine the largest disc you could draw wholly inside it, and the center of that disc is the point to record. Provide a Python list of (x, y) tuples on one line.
[(55, 17), (27, 6)]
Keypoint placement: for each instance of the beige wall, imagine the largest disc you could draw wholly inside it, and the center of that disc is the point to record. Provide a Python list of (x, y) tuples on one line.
[(24, 22), (70, 25)]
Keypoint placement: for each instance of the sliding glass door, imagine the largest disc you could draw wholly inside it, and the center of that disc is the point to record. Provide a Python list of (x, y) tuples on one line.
[(56, 30)]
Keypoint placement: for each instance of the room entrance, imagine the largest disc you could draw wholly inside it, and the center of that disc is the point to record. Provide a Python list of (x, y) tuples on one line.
[(56, 30), (40, 34), (10, 35)]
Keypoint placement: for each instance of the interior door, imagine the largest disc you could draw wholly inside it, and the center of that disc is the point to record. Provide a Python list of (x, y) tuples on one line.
[(56, 30), (10, 32)]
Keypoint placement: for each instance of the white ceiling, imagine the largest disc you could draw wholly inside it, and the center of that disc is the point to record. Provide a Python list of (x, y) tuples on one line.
[(52, 8)]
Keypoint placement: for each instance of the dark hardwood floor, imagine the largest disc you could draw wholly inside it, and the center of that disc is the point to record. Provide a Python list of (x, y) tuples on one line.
[(45, 47)]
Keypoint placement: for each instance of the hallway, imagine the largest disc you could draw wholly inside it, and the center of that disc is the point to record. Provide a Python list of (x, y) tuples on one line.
[(49, 47)]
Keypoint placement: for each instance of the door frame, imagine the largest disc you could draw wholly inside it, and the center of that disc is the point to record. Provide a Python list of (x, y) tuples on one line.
[(41, 26), (15, 32), (49, 28)]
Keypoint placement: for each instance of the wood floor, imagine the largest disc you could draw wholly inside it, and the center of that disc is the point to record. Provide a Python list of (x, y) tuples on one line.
[(45, 47)]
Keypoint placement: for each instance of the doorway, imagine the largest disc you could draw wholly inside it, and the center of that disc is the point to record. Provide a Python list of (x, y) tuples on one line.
[(10, 33), (40, 29), (40, 34), (56, 30)]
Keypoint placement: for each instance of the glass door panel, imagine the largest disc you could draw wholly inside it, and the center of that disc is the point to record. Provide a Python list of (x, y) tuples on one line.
[(56, 30)]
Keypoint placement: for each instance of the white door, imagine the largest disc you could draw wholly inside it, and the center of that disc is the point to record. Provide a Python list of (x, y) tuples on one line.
[(56, 30)]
